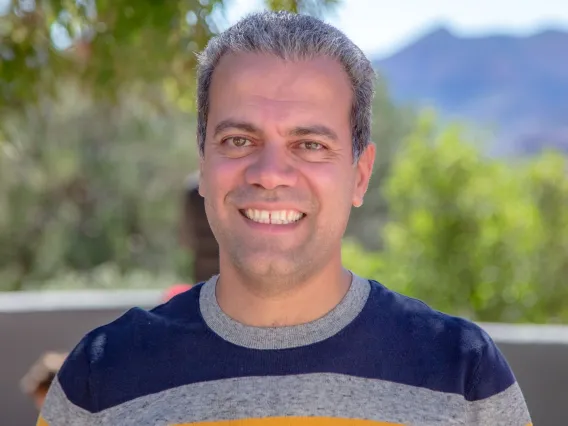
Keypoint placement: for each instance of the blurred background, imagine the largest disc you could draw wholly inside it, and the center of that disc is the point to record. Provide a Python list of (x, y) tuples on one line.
[(467, 209)]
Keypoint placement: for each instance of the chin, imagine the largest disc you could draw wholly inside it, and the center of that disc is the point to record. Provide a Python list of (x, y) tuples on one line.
[(265, 267), (262, 267)]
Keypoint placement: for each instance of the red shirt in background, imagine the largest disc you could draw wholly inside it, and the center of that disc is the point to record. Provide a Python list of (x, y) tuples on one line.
[(174, 291)]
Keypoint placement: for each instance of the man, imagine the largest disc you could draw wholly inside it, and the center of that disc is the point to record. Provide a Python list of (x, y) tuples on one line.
[(39, 377), (284, 334)]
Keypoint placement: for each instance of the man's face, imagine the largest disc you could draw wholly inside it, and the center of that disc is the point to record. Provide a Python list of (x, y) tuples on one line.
[(278, 175)]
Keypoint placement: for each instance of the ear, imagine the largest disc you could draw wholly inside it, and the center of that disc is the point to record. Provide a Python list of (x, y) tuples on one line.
[(364, 170)]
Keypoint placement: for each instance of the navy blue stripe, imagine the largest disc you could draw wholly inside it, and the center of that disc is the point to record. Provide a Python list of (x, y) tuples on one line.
[(395, 338)]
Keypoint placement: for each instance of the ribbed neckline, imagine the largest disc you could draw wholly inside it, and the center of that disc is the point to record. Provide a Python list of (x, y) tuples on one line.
[(283, 337)]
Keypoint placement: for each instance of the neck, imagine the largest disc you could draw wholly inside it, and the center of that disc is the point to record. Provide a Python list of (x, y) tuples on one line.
[(255, 303)]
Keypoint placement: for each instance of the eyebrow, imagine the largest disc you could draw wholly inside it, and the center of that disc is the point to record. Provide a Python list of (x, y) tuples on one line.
[(315, 130), (235, 125), (300, 131)]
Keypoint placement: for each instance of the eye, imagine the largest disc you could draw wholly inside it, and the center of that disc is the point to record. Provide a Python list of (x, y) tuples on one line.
[(237, 141), (312, 146)]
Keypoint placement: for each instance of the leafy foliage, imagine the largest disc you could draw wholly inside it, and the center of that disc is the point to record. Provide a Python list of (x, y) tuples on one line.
[(473, 236), (110, 47), (86, 184)]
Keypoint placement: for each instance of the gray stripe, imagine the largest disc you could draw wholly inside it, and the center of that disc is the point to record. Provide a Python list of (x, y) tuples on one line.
[(504, 409), (312, 395), (283, 337), (59, 411)]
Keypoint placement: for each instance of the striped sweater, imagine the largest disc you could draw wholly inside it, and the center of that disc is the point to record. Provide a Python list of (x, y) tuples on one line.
[(378, 358)]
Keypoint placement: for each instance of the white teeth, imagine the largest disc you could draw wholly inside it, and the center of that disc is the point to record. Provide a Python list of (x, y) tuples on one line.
[(276, 217)]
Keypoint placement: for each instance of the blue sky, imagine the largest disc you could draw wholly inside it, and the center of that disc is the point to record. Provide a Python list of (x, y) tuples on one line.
[(381, 26)]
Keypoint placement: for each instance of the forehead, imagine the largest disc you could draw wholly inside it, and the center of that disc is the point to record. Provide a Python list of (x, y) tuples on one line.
[(265, 88)]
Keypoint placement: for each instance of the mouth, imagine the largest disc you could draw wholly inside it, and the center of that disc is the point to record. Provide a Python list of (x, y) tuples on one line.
[(273, 217)]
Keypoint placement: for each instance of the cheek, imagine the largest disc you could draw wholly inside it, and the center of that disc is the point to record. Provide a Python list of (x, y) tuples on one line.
[(220, 176), (333, 184)]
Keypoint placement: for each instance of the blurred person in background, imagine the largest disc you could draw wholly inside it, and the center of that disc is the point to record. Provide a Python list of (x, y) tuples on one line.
[(196, 232), (196, 237), (39, 377), (174, 290), (284, 334)]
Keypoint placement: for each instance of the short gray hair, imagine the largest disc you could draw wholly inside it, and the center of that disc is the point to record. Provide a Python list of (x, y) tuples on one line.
[(291, 36)]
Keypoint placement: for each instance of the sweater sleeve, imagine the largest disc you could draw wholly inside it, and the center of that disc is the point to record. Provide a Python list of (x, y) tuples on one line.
[(69, 401), (494, 396)]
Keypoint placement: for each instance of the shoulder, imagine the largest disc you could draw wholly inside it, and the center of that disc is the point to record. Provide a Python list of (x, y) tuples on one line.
[(460, 353), (422, 322), (125, 344)]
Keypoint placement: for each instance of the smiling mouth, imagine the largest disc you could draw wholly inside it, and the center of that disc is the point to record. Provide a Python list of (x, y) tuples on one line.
[(273, 217)]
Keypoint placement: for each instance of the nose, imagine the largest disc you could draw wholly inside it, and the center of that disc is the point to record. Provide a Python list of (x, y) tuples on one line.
[(271, 169)]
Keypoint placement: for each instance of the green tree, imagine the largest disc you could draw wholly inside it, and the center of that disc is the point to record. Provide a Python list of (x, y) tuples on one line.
[(470, 235), (547, 184), (83, 186), (109, 47)]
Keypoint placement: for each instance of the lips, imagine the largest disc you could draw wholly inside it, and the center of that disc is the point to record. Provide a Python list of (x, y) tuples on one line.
[(273, 217)]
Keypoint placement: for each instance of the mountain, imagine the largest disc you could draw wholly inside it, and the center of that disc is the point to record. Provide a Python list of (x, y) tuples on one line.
[(515, 86)]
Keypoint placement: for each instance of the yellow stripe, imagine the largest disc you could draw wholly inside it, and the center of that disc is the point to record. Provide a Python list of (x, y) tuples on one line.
[(281, 421), (301, 421), (41, 422)]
